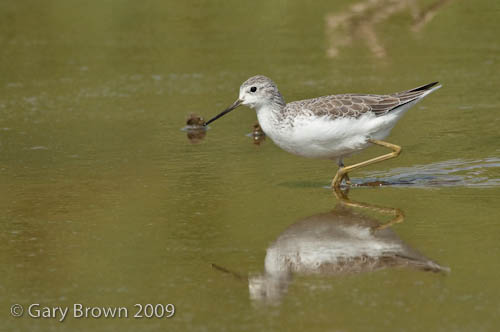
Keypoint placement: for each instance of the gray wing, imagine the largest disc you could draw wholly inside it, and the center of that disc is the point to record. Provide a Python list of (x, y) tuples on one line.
[(355, 105)]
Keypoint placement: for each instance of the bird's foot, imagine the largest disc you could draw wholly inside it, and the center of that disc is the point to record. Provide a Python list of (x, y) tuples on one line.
[(347, 180), (340, 179)]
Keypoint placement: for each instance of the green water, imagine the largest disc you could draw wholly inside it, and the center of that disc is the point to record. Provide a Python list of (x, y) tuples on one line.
[(105, 202)]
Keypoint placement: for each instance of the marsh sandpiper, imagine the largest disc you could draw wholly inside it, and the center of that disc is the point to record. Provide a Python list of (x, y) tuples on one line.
[(328, 127)]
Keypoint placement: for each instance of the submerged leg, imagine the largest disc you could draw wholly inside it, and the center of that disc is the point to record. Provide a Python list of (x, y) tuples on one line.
[(342, 172)]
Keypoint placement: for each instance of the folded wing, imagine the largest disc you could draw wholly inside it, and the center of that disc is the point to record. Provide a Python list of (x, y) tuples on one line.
[(356, 105)]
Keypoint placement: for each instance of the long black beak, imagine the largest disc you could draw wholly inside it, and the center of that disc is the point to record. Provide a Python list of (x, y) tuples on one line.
[(224, 112)]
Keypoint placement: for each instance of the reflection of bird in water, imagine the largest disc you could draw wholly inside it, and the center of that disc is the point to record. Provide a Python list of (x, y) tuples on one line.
[(339, 242), (196, 132), (360, 20)]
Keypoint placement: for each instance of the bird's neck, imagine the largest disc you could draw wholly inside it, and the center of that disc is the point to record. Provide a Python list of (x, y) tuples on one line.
[(278, 102), (273, 106), (271, 113)]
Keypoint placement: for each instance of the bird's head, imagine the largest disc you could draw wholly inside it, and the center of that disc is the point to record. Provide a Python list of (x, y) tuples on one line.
[(256, 92)]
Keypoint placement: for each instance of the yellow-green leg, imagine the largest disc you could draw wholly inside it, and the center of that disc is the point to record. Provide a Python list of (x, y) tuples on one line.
[(343, 171)]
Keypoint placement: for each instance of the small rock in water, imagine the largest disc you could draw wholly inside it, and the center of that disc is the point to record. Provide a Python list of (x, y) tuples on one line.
[(196, 131), (194, 120), (258, 134), (257, 130)]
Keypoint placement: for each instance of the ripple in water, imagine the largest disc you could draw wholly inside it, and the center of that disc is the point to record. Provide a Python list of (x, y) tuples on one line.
[(455, 172)]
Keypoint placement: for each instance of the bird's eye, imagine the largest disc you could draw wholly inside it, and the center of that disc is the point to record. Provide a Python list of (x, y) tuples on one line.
[(253, 89)]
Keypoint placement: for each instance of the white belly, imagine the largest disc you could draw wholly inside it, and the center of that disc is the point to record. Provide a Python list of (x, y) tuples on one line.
[(323, 138)]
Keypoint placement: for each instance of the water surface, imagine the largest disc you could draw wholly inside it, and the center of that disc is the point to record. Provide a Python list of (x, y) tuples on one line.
[(107, 203)]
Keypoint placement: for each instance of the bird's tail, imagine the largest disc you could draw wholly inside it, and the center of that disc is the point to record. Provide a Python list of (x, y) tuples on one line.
[(423, 90)]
